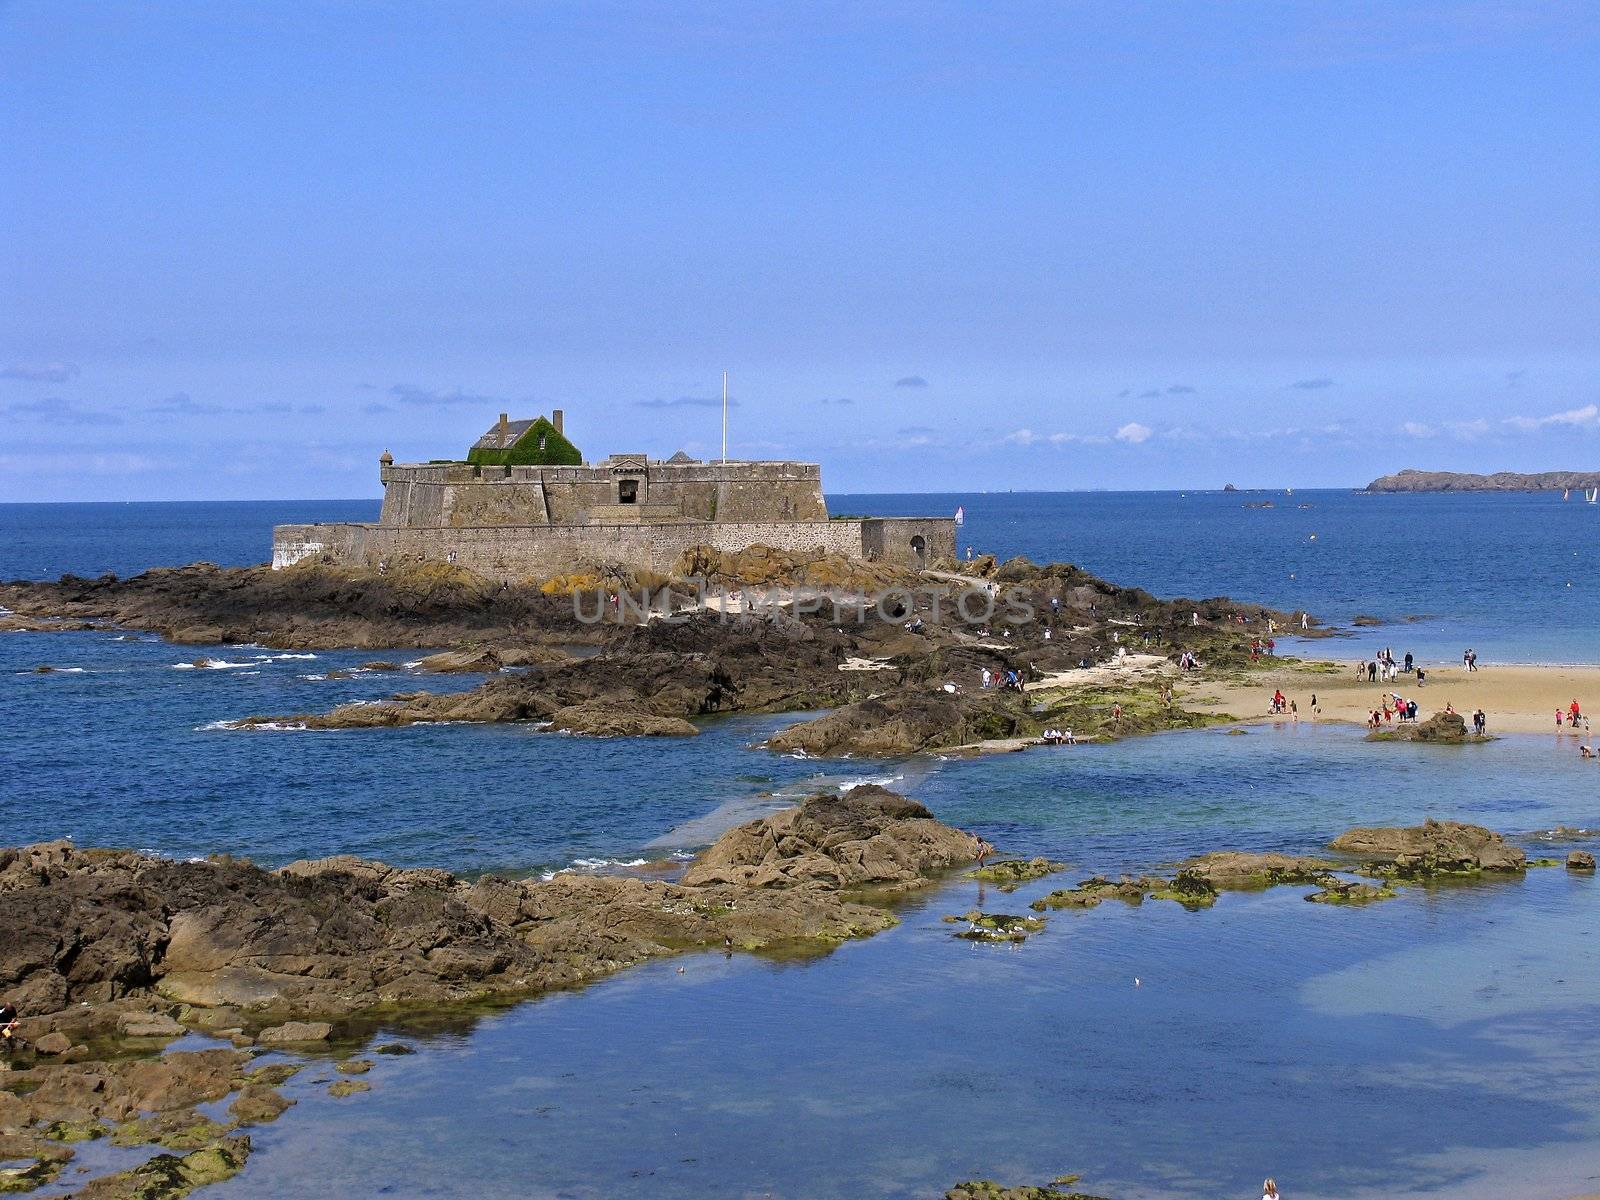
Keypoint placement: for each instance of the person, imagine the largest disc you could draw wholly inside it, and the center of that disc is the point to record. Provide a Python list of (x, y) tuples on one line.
[(1573, 714), (1314, 707), (1194, 618), (1372, 672), (1411, 710), (1068, 738), (987, 678), (1479, 722), (1559, 715), (1421, 676), (1294, 710), (8, 1023), (1408, 662), (1305, 620), (969, 553), (1269, 1190), (1585, 751)]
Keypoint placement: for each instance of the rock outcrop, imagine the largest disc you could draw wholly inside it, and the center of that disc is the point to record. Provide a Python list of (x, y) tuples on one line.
[(92, 936), (1432, 848), (1443, 727), (906, 722), (868, 838)]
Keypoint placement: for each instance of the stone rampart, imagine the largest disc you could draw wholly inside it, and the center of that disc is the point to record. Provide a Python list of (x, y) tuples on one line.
[(515, 552)]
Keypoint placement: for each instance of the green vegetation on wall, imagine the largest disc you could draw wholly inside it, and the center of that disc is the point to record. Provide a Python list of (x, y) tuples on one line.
[(540, 446)]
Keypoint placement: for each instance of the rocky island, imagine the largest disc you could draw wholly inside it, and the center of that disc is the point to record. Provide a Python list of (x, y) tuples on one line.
[(1412, 480)]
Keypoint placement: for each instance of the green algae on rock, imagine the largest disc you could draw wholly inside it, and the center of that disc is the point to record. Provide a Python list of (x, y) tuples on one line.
[(1010, 874), (1344, 891), (170, 1177), (986, 1189)]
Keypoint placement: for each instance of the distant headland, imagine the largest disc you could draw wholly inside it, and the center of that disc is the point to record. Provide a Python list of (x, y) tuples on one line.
[(1500, 481)]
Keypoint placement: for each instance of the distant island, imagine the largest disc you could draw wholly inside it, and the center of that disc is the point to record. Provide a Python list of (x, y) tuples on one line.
[(1500, 481)]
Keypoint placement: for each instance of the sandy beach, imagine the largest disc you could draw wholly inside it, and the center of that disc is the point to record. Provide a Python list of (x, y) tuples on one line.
[(1516, 699)]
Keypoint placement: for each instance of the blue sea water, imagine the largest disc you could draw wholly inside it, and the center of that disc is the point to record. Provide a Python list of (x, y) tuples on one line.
[(1440, 1044)]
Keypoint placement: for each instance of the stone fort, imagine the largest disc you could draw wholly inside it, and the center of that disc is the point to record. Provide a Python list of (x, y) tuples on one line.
[(524, 502)]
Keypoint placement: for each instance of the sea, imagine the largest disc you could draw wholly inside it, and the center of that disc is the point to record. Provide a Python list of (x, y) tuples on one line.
[(1441, 1044)]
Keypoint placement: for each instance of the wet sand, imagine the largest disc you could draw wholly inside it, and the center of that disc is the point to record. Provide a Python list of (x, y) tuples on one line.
[(1516, 699)]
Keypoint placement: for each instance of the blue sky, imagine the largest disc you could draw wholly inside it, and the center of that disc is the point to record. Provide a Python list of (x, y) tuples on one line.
[(940, 246)]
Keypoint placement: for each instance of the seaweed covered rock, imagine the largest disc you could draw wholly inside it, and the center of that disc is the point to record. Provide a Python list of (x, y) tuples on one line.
[(1010, 874), (1345, 891), (985, 1189), (1432, 848), (1234, 870)]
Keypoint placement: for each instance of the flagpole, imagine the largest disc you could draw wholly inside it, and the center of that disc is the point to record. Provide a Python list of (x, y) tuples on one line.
[(724, 416)]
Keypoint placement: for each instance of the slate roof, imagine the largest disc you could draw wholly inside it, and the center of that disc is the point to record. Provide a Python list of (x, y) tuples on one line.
[(514, 430)]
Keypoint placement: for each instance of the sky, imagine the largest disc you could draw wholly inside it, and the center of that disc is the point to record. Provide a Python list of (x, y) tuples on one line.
[(246, 247)]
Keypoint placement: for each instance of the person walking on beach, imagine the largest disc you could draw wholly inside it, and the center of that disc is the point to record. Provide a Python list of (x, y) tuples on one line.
[(1479, 721), (1573, 714)]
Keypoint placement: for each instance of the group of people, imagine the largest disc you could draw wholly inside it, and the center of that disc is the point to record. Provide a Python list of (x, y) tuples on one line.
[(1188, 662), (1469, 659), (1262, 646), (1573, 715), (1282, 705), (1006, 681), (1058, 737), (1387, 668)]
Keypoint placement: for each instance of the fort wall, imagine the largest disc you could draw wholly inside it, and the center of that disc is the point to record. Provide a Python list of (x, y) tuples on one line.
[(515, 552), (461, 495)]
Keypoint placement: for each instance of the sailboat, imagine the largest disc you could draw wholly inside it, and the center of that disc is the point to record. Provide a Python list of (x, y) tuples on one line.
[(1567, 494), (961, 515), (1591, 494)]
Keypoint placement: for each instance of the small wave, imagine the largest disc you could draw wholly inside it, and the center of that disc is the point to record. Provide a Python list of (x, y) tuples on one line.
[(209, 664), (281, 657), (413, 664), (265, 726), (58, 671), (590, 865), (313, 678), (844, 785)]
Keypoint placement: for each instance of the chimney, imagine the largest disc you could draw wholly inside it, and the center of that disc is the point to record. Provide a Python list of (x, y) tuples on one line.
[(505, 431), (555, 419)]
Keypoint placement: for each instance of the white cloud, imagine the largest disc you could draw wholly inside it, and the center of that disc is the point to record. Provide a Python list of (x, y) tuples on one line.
[(1587, 417), (1027, 437), (1418, 430), (55, 372), (1469, 429), (1134, 433)]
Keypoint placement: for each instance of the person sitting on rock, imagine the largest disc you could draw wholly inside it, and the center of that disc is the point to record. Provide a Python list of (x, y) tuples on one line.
[(8, 1023)]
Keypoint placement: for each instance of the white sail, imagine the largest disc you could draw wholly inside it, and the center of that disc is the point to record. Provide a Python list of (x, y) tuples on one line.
[(961, 515)]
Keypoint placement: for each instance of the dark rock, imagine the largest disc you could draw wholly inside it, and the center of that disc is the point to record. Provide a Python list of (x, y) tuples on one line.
[(1580, 860)]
